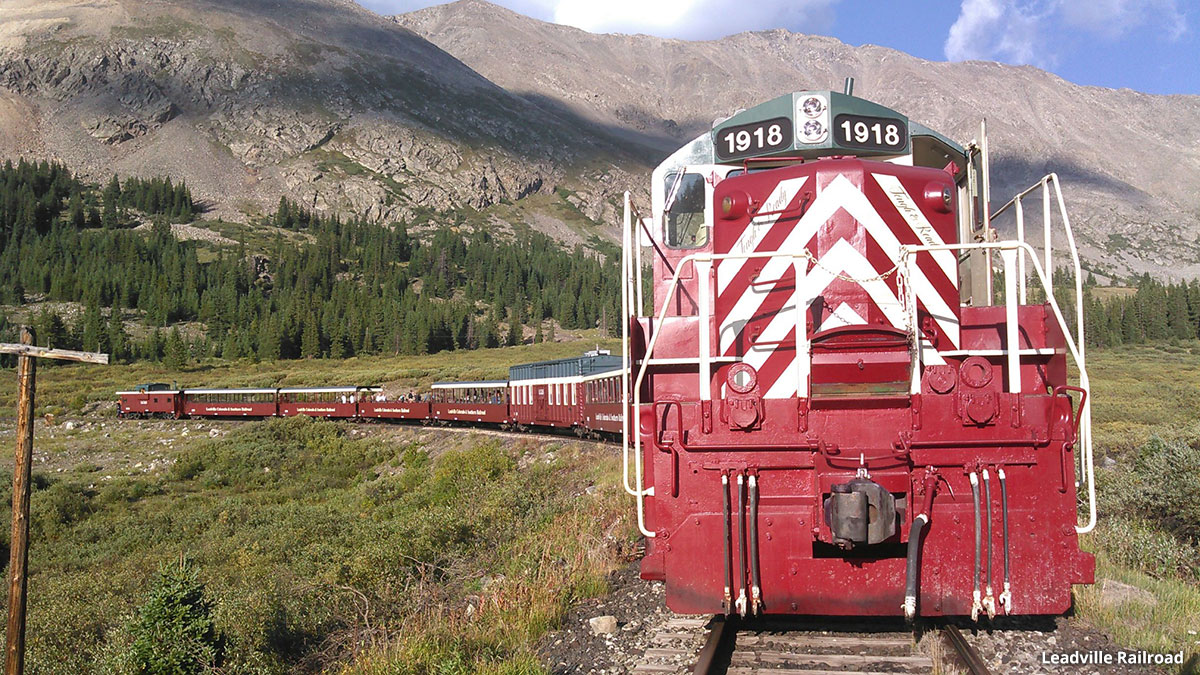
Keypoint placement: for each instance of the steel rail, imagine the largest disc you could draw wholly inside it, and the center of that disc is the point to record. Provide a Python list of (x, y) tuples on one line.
[(971, 658), (719, 638)]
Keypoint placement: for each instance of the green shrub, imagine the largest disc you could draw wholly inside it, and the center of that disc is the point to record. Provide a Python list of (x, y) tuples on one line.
[(58, 507), (174, 633), (1138, 544)]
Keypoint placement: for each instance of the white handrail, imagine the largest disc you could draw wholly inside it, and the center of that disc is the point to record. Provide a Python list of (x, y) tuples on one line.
[(640, 492), (627, 230), (1085, 436), (1015, 202)]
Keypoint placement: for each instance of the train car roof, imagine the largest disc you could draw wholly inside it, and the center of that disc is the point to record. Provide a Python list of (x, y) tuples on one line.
[(482, 384), (229, 391), (805, 125), (589, 363), (147, 392), (297, 390)]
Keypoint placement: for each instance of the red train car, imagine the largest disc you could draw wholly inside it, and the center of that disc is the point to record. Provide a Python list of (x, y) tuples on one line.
[(832, 416), (330, 402), (409, 408), (551, 393), (150, 400), (481, 402), (230, 403), (600, 410)]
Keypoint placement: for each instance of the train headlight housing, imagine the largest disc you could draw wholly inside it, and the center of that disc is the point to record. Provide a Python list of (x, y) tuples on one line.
[(812, 106), (812, 132), (742, 378)]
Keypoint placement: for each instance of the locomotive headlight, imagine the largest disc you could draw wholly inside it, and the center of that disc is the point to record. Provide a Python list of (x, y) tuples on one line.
[(812, 132), (742, 378), (812, 106)]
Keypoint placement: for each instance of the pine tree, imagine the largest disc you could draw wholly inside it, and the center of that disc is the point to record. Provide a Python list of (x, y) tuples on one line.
[(514, 328), (175, 352), (310, 340)]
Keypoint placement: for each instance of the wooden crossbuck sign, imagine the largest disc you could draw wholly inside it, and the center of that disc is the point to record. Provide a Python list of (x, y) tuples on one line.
[(14, 662)]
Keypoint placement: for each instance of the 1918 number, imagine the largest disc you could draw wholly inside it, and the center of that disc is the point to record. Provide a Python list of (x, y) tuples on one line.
[(871, 132), (741, 141), (757, 138)]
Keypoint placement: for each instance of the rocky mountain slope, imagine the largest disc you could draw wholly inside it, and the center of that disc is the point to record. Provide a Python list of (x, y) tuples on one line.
[(319, 100), (469, 104), (1130, 161)]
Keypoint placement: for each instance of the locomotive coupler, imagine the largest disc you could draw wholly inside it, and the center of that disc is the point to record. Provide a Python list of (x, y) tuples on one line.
[(860, 511)]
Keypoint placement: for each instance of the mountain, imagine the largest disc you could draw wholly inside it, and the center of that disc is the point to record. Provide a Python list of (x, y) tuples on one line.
[(471, 107), (1130, 162), (319, 100)]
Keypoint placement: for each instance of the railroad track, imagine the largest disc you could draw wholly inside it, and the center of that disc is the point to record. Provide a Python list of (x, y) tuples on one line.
[(805, 646)]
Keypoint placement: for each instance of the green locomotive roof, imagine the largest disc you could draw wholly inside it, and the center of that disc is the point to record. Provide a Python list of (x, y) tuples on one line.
[(813, 124)]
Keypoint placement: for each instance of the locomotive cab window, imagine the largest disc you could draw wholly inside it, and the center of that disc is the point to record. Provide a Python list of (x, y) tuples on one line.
[(685, 217)]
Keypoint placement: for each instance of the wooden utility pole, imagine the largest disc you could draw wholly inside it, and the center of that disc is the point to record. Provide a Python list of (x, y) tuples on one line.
[(14, 663)]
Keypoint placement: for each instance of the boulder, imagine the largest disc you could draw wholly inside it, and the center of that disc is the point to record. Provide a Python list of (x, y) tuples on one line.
[(1115, 594), (603, 625)]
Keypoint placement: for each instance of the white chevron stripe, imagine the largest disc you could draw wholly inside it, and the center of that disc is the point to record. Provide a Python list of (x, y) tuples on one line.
[(840, 193), (844, 315), (920, 225), (783, 194), (841, 259)]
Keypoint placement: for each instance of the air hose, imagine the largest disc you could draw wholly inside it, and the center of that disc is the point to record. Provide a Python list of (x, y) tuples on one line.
[(1006, 595), (913, 567), (976, 605)]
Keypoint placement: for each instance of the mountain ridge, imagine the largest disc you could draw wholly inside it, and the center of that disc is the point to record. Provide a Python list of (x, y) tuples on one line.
[(469, 105), (1107, 144)]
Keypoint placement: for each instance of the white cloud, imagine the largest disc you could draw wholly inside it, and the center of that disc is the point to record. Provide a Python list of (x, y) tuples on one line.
[(1113, 19), (1035, 32), (995, 29), (687, 19), (694, 19)]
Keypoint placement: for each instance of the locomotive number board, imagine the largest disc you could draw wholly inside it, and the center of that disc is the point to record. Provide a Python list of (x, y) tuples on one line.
[(756, 138), (870, 133)]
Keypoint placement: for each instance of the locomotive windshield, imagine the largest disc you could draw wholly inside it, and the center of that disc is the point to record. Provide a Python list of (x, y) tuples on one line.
[(685, 218)]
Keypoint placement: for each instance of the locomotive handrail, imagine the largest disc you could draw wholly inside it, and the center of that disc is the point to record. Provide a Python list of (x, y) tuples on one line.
[(1009, 251), (705, 349), (1047, 248)]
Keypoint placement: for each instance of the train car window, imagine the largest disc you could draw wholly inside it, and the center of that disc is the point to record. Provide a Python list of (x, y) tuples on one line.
[(685, 221)]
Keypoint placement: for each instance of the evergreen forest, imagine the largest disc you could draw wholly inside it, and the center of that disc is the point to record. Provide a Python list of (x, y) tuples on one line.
[(349, 286)]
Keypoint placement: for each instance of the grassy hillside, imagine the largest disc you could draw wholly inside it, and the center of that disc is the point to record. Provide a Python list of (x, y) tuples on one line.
[(319, 544), (385, 549)]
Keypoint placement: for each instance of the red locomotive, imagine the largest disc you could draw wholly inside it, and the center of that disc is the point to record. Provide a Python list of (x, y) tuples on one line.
[(835, 416)]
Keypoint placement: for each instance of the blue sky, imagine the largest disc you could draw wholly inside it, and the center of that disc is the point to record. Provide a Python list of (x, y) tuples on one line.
[(1147, 45)]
